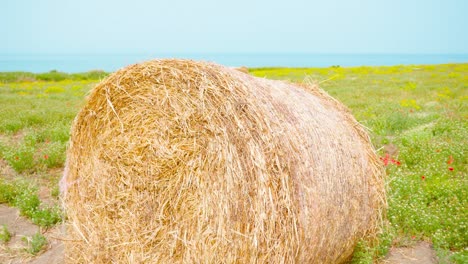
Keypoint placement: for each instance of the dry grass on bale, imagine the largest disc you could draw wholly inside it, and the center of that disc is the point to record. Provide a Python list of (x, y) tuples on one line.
[(242, 69), (176, 161)]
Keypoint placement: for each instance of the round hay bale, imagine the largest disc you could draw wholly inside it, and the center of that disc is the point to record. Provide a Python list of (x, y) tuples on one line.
[(176, 161)]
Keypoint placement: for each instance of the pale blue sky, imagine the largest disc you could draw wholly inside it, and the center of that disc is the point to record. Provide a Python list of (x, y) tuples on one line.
[(210, 26)]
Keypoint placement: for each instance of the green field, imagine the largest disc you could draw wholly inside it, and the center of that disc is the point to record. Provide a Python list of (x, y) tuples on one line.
[(417, 116)]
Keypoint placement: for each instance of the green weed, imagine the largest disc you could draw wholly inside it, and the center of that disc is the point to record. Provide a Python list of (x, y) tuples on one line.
[(35, 243), (370, 251), (24, 196), (47, 217), (20, 159), (5, 234), (53, 154)]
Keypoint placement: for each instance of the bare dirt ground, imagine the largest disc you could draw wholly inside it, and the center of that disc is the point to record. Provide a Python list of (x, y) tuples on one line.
[(5, 170), (421, 253)]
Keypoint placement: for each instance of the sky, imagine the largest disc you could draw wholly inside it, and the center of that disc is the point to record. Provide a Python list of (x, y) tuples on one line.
[(239, 26)]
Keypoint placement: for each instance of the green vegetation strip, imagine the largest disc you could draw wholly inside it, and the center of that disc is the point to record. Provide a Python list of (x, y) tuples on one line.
[(24, 196), (8, 77), (35, 243)]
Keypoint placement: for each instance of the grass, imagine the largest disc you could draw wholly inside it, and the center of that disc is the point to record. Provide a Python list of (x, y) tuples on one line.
[(8, 77), (35, 121), (35, 243), (419, 111), (24, 196), (5, 234)]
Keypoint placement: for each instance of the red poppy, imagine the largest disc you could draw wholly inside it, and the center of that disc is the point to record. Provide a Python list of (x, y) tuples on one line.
[(450, 160), (450, 168), (385, 159), (46, 156), (423, 177), (16, 158)]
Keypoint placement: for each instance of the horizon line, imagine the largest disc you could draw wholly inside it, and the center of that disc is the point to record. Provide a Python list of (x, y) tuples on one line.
[(227, 53)]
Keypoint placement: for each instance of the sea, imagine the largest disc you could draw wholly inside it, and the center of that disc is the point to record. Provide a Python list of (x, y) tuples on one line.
[(73, 63)]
